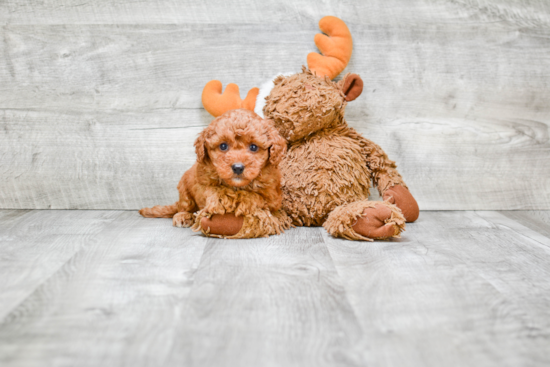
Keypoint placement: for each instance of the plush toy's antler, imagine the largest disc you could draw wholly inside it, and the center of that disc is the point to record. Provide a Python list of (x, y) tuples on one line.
[(336, 48), (217, 103)]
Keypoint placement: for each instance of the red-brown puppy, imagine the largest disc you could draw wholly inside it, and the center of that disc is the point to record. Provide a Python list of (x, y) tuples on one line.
[(236, 173)]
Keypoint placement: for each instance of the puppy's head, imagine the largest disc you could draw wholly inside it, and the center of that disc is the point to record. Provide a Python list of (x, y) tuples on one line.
[(240, 145)]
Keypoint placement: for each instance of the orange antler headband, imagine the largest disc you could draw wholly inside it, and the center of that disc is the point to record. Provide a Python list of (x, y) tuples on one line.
[(216, 102)]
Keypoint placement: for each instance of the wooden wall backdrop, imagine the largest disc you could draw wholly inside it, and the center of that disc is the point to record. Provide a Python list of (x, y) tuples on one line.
[(100, 100)]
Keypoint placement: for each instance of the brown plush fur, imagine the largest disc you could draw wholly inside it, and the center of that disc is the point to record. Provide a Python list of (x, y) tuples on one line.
[(328, 169), (211, 187)]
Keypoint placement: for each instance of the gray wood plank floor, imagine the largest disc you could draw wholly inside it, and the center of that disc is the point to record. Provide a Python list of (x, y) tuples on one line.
[(89, 288)]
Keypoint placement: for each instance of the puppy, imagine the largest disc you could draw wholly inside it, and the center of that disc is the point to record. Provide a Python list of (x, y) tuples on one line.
[(236, 173)]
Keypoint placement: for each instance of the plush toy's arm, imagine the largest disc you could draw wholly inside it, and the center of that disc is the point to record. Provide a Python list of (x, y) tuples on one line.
[(386, 178), (384, 170)]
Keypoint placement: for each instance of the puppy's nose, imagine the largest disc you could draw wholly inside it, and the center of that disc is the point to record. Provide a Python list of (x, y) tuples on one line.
[(238, 168)]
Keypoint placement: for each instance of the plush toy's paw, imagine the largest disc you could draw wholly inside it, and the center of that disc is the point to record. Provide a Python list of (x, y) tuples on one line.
[(182, 219), (222, 224), (403, 199), (377, 223), (365, 220)]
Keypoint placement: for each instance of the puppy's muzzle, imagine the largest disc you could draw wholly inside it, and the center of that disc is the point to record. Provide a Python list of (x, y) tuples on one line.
[(238, 168)]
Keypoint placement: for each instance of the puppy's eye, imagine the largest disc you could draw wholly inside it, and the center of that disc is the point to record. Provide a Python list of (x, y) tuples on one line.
[(224, 147), (253, 148)]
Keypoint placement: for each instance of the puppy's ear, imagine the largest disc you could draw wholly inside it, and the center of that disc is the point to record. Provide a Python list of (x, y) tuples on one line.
[(200, 147), (277, 143)]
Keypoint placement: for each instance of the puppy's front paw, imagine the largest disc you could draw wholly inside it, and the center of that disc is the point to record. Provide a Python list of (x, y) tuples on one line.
[(216, 206), (249, 203), (182, 219)]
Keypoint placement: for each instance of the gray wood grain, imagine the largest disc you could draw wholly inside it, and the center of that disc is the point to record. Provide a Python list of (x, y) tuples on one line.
[(272, 302), (36, 244), (88, 288), (456, 92), (524, 12), (124, 290), (537, 220), (96, 160), (459, 288), (136, 295)]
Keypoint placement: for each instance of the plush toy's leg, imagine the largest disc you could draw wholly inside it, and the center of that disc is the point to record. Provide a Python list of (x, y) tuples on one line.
[(261, 223), (365, 220), (222, 224)]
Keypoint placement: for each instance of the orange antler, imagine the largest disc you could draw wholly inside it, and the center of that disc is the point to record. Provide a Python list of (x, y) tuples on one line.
[(217, 103), (336, 48)]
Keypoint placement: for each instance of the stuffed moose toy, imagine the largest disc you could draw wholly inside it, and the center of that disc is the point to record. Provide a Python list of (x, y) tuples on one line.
[(328, 168)]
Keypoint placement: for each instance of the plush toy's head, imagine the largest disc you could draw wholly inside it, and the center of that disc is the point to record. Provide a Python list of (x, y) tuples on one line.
[(303, 103)]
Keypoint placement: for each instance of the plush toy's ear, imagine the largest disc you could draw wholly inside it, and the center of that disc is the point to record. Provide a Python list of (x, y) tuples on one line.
[(277, 143), (352, 86), (200, 147)]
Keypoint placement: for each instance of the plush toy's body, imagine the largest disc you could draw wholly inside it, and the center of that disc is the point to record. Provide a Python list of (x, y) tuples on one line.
[(319, 176), (328, 169)]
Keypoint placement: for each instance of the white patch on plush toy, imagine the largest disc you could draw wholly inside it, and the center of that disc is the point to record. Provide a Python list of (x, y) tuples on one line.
[(265, 89)]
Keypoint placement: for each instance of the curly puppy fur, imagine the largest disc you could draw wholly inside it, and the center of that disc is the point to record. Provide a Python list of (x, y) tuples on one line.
[(328, 165), (212, 186)]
